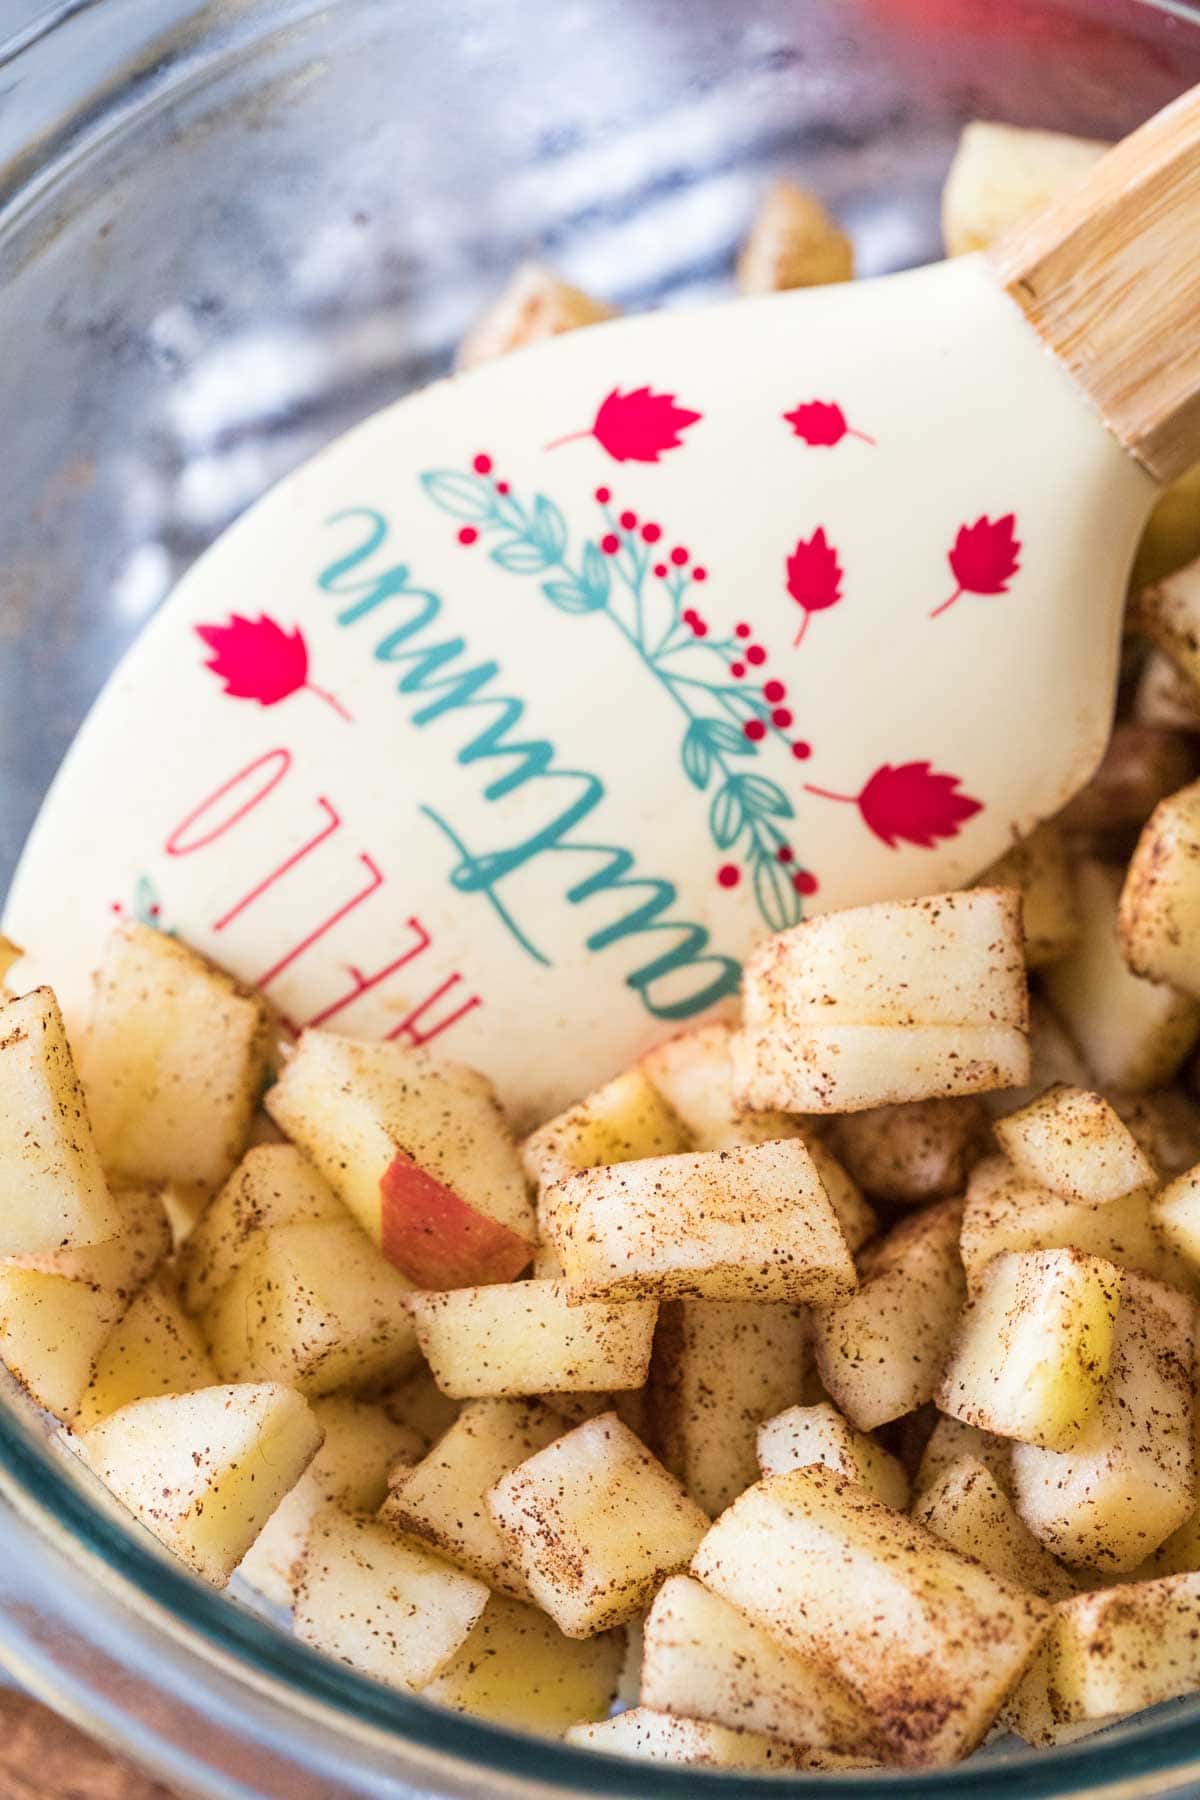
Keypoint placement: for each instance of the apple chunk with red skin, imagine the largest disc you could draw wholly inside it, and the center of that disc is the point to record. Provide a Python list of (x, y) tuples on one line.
[(439, 1239), (419, 1151)]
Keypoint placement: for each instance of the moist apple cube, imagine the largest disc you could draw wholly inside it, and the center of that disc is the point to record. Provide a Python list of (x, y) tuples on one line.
[(518, 1670), (1128, 1480), (272, 1186), (751, 1224), (121, 1263), (928, 1641), (880, 1354), (1033, 1348), (420, 1152), (624, 1120), (1004, 1212), (904, 1000), (1039, 868), (154, 1349), (1076, 1144), (536, 304), (1159, 913), (951, 1441), (793, 243), (910, 1155), (205, 1471), (419, 1404), (442, 1500), (719, 1368), (526, 1337), (52, 1188), (1176, 1212), (1117, 1651), (350, 1471), (1133, 1033), (693, 1071), (657, 1737), (595, 1524), (316, 1306), (1002, 175), (52, 1329), (386, 1607), (173, 1061), (968, 1509), (819, 1434), (703, 1659)]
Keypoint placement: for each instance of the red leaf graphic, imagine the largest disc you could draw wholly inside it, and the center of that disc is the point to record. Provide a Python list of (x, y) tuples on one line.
[(822, 423), (258, 660), (984, 559), (636, 427), (912, 803), (814, 576)]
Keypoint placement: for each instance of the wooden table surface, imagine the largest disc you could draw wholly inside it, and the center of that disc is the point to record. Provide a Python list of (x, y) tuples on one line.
[(44, 1758)]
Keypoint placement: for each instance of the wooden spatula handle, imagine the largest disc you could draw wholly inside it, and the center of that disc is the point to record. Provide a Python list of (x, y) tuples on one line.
[(1109, 276)]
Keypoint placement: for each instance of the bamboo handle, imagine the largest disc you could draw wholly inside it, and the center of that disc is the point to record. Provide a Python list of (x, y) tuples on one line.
[(1109, 276)]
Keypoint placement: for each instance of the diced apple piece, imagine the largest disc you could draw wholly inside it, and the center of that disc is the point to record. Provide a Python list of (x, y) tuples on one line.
[(52, 1188), (526, 1338), (1165, 699), (441, 1500), (316, 1306), (596, 1524), (154, 1349), (419, 1404), (272, 1186), (1159, 913), (1129, 1479), (819, 1434), (173, 1061), (1176, 1212), (350, 1471), (1001, 174), (718, 1369), (384, 1606), (951, 1441), (1077, 1145), (1033, 1349), (912, 1154), (904, 1000), (881, 1353), (183, 1202), (1003, 1212), (793, 243), (752, 1224), (518, 1670), (52, 1329), (1142, 765), (205, 1471), (535, 305), (1168, 613), (1029, 1711), (1116, 1651), (856, 1219), (968, 1509), (928, 1641), (703, 1659), (693, 1072), (625, 1120), (657, 1737), (122, 1263), (1133, 1033), (1040, 870), (420, 1152)]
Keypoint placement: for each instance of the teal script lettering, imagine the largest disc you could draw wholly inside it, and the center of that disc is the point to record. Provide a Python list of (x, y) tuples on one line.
[(679, 974)]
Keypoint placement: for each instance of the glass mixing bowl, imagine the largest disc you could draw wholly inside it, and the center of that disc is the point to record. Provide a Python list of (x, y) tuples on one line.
[(227, 232)]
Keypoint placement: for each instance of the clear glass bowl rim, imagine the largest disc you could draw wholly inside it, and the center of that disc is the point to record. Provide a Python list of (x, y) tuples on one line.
[(284, 1678)]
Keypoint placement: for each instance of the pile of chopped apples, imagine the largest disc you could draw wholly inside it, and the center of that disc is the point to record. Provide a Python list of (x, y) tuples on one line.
[(818, 1393)]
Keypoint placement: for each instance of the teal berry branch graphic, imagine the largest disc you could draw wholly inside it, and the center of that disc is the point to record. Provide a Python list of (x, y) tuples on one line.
[(628, 575)]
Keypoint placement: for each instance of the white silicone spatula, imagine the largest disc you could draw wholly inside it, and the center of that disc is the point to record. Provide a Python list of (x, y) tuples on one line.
[(514, 718)]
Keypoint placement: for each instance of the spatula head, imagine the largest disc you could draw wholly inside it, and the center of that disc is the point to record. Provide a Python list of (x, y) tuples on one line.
[(515, 718)]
